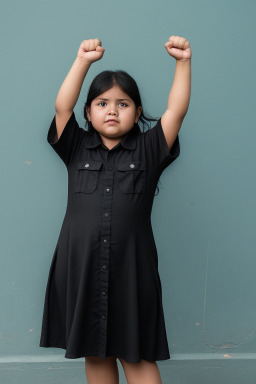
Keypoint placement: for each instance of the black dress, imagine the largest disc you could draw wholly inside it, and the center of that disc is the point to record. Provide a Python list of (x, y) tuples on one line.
[(103, 295)]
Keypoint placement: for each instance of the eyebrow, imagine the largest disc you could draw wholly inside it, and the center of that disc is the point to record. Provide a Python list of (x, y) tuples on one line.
[(101, 98)]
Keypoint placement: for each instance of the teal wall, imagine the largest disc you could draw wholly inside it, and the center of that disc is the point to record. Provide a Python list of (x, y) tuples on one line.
[(204, 216)]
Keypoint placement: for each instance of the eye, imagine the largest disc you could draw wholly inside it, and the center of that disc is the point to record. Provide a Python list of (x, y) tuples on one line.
[(103, 102)]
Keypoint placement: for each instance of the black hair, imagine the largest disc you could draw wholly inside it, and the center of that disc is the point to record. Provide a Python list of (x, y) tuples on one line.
[(106, 80)]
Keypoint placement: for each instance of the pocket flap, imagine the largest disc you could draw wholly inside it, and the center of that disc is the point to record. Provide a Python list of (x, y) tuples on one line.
[(89, 165), (131, 165)]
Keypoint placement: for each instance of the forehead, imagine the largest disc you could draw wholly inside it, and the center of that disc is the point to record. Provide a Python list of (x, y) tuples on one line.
[(114, 93)]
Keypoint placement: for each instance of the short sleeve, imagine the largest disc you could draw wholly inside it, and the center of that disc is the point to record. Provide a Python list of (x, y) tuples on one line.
[(69, 140), (158, 153)]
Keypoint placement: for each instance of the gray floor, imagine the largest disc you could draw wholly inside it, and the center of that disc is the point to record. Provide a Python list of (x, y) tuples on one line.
[(176, 372)]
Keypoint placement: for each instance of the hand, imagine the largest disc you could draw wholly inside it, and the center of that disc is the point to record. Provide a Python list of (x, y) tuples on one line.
[(179, 48), (91, 50)]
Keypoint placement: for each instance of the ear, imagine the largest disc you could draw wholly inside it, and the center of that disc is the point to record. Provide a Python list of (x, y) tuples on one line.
[(138, 113), (88, 112)]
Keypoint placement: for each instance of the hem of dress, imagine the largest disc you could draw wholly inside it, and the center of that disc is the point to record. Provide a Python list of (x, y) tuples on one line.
[(127, 359)]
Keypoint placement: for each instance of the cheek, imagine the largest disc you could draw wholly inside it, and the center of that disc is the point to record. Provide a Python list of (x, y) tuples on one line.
[(97, 114), (129, 113)]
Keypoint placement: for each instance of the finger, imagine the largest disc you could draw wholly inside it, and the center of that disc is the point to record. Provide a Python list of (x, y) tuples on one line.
[(182, 42), (173, 39), (86, 45), (178, 41), (186, 44), (100, 49), (169, 45), (97, 41), (89, 45)]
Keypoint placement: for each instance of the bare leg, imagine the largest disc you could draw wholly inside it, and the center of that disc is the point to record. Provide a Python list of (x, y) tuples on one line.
[(143, 372), (101, 371)]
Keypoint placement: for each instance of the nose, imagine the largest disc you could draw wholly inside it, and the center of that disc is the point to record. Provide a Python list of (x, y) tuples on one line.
[(112, 110), (112, 113)]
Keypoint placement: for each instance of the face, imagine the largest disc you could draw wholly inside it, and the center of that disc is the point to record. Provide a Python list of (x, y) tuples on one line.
[(117, 105)]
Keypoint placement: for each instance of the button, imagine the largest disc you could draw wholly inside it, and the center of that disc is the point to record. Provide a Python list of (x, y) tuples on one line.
[(132, 166), (107, 189), (87, 165), (103, 293), (105, 240), (106, 214), (110, 168), (103, 317), (104, 266)]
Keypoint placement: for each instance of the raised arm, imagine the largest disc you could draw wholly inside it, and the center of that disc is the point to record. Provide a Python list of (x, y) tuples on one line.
[(178, 101), (71, 86), (89, 51)]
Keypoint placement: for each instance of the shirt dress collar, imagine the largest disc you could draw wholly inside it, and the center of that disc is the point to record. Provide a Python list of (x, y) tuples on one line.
[(127, 142)]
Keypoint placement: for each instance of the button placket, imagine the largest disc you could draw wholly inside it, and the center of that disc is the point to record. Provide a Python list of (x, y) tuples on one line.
[(104, 259)]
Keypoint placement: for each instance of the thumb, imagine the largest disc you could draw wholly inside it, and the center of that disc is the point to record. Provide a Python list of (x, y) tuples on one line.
[(168, 45)]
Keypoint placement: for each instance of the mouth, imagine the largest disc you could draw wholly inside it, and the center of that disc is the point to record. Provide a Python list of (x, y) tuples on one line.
[(111, 121)]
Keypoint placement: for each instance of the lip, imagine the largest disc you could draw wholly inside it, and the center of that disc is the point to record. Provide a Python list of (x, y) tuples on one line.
[(111, 121)]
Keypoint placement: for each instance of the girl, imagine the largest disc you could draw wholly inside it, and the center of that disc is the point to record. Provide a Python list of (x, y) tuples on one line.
[(104, 298)]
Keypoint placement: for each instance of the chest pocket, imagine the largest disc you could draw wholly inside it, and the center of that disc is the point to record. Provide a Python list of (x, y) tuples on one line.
[(131, 176), (87, 175)]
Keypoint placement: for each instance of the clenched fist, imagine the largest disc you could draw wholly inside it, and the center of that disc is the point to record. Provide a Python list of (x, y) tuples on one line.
[(179, 48), (91, 50)]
